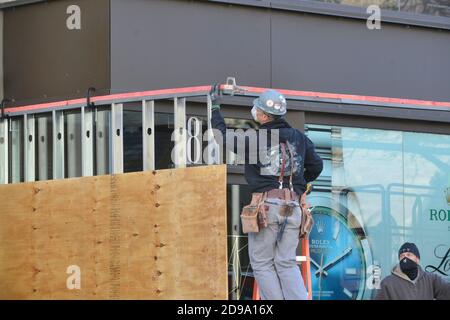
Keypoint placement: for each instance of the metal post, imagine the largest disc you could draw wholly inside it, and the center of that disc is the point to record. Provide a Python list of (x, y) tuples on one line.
[(235, 236), (87, 146), (148, 134), (213, 147), (29, 134), (102, 141), (179, 155), (71, 143), (58, 144), (43, 151), (4, 151), (117, 138), (16, 163)]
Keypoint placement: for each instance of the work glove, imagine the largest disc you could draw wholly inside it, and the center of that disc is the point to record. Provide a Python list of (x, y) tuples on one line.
[(216, 96)]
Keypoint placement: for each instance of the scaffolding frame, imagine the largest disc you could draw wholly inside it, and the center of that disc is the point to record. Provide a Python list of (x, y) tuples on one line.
[(88, 109)]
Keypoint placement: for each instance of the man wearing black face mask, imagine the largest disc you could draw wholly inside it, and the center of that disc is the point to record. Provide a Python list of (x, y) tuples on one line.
[(409, 282)]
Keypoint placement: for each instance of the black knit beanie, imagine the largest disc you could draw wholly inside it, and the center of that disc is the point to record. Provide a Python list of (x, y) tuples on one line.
[(409, 247)]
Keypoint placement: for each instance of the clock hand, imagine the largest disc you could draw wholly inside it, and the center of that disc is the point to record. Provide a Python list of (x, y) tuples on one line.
[(331, 263), (346, 252), (320, 277), (319, 268), (336, 229)]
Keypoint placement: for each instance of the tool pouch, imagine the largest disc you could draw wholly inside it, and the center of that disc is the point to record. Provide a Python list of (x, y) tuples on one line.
[(249, 218), (262, 216), (254, 215)]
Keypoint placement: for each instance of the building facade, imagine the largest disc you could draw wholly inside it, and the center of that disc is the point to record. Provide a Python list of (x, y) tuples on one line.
[(386, 178)]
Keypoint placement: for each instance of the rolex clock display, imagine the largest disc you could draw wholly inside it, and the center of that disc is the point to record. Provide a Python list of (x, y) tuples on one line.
[(339, 252)]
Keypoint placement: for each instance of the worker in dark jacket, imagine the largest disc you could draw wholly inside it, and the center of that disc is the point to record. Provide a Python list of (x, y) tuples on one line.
[(272, 250), (409, 282)]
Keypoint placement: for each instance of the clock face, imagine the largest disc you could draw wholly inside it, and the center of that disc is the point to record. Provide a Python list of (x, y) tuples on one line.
[(338, 268)]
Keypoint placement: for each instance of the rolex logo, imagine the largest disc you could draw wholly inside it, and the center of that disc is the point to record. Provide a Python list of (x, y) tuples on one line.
[(320, 225), (447, 195)]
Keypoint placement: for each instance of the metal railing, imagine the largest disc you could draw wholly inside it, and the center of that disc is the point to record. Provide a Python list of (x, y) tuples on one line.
[(21, 126)]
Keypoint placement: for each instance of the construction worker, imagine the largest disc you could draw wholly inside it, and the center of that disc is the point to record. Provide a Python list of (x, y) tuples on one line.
[(409, 282), (272, 250)]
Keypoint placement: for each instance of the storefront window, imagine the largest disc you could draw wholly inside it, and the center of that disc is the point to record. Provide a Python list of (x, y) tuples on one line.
[(381, 188), (132, 139), (164, 125), (240, 274)]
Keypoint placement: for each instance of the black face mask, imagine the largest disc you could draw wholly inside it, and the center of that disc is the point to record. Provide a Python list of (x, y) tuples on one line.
[(409, 267)]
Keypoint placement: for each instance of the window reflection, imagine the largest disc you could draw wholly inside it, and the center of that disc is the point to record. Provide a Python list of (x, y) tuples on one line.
[(379, 189), (164, 124), (240, 274), (430, 7), (132, 139)]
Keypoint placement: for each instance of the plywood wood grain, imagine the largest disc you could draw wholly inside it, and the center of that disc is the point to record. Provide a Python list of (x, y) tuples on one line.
[(145, 235)]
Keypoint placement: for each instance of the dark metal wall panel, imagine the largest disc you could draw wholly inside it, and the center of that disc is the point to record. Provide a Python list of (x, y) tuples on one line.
[(172, 43), (44, 59), (162, 44), (329, 54)]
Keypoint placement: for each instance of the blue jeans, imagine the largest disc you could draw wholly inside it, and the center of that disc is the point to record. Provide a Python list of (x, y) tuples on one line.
[(273, 261)]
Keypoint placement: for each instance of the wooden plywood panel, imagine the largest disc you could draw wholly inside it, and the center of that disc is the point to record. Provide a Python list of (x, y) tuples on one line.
[(146, 235)]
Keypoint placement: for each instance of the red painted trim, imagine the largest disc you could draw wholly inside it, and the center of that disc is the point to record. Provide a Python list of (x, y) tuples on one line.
[(256, 90), (325, 95), (152, 93), (45, 105), (65, 103)]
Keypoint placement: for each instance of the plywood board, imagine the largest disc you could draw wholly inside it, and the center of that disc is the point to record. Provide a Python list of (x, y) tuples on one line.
[(145, 235)]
